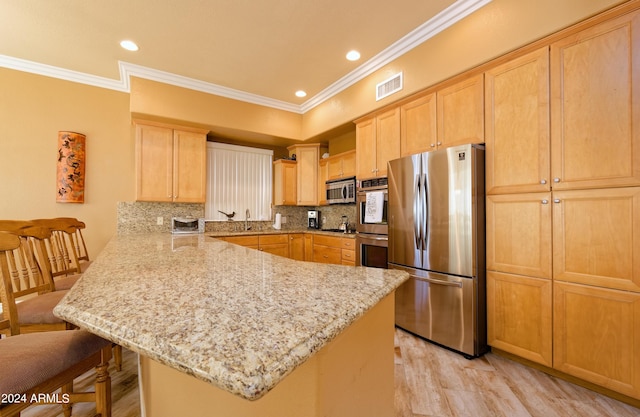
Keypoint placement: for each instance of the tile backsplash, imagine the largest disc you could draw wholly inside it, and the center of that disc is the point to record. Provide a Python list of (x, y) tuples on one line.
[(142, 217)]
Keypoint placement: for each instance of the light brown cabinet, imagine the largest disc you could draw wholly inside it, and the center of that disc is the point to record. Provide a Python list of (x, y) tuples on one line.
[(342, 165), (284, 183), (323, 176), (595, 106), (418, 125), (519, 234), (377, 142), (307, 163), (296, 246), (596, 237), (171, 163), (517, 125), (596, 335), (460, 113), (333, 250), (519, 316)]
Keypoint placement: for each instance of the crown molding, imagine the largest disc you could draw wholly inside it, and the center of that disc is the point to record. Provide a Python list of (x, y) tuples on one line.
[(457, 11)]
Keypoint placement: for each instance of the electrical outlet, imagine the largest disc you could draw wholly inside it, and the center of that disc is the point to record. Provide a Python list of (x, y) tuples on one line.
[(159, 221)]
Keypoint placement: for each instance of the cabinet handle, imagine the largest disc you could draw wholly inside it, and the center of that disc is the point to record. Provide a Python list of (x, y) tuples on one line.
[(543, 181), (556, 179), (545, 201), (556, 200)]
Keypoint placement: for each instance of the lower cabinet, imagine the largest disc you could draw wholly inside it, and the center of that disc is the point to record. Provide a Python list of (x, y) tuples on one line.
[(597, 335), (519, 316), (301, 246), (296, 246)]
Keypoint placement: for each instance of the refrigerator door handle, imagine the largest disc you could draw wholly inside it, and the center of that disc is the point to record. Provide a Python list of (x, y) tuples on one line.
[(438, 282), (417, 214), (425, 211)]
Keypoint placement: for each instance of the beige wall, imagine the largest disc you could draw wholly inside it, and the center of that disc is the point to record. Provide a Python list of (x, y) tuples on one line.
[(32, 111), (34, 108)]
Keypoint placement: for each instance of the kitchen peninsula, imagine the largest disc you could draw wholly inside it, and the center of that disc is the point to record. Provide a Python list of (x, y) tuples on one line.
[(226, 330)]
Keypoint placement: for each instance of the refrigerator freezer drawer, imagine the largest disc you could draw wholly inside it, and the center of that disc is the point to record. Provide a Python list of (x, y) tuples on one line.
[(440, 308)]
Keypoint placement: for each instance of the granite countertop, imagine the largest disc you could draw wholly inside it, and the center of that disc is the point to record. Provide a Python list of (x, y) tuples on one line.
[(238, 318)]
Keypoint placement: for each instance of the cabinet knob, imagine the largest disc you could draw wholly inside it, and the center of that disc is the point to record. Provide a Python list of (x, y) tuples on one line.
[(543, 181), (556, 179), (556, 200), (545, 201)]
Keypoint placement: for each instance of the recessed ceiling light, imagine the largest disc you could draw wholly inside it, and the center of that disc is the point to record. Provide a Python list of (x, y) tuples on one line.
[(129, 45), (353, 55), (301, 93)]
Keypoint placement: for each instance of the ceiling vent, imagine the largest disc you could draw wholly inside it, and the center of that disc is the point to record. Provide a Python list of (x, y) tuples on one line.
[(389, 86)]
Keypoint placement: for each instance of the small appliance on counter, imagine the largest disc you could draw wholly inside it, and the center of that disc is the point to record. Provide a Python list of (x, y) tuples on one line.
[(181, 225), (313, 219)]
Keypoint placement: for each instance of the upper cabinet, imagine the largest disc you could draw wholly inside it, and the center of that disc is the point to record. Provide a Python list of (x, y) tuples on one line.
[(517, 125), (171, 163), (418, 125), (284, 183), (307, 172), (377, 142), (342, 165), (460, 109), (595, 102)]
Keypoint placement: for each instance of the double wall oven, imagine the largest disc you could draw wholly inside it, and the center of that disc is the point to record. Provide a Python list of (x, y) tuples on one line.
[(371, 227)]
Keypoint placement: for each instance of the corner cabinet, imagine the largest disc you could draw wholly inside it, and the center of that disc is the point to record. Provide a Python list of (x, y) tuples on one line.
[(307, 172), (171, 163)]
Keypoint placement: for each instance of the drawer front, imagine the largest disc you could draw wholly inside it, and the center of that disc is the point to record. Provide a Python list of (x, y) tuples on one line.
[(274, 239), (348, 243), (327, 255), (348, 255), (327, 241), (243, 240)]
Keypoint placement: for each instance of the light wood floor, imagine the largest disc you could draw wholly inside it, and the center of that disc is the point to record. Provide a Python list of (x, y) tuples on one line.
[(430, 381)]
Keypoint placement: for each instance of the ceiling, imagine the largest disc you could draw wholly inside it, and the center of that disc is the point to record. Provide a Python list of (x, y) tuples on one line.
[(261, 51)]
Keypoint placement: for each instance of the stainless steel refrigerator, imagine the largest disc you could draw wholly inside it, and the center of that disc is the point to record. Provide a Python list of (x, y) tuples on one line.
[(437, 233)]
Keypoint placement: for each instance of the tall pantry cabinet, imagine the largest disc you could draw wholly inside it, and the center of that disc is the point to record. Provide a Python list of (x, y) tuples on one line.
[(563, 204)]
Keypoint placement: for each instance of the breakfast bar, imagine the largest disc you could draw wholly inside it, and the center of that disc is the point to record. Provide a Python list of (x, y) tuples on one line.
[(224, 330)]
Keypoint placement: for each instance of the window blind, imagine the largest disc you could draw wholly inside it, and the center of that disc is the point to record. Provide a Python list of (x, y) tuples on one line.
[(238, 178)]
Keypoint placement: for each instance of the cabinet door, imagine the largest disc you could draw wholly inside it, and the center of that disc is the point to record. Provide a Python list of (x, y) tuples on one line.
[(323, 176), (307, 173), (284, 183), (296, 246), (596, 336), (517, 125), (190, 167), (366, 149), (387, 140), (596, 237), (595, 106), (519, 316), (461, 113), (519, 234), (154, 163), (418, 125)]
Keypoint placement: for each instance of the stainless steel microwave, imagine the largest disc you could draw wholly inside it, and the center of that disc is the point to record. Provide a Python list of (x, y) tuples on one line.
[(341, 191)]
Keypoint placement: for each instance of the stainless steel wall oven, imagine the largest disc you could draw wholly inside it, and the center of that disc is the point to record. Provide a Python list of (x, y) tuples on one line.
[(371, 226)]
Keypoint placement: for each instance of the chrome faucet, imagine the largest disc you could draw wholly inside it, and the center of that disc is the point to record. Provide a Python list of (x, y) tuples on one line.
[(247, 215)]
